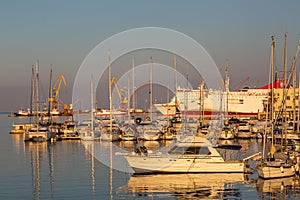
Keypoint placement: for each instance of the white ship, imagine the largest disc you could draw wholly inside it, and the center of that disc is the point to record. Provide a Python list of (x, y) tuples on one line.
[(246, 102)]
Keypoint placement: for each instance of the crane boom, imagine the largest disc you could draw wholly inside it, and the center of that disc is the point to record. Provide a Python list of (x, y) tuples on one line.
[(56, 88), (120, 92)]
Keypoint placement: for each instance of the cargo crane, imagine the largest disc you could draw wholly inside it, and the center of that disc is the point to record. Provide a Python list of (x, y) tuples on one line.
[(54, 99), (123, 100)]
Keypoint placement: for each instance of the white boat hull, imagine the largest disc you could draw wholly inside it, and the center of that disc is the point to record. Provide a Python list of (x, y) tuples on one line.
[(158, 164), (267, 171)]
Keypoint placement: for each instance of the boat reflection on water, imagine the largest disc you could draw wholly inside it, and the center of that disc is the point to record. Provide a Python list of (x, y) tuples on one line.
[(37, 154), (279, 188), (186, 186)]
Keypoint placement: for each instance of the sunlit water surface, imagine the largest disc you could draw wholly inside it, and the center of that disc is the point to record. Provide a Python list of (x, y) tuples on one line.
[(67, 170)]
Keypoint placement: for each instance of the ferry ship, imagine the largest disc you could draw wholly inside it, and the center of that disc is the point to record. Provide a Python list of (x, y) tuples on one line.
[(247, 102)]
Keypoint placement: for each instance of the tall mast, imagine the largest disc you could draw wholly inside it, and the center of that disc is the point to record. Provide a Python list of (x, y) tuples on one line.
[(50, 92), (187, 85), (284, 60), (175, 79), (37, 86), (294, 94), (92, 108), (227, 90), (31, 90), (133, 97), (150, 92), (168, 99), (128, 93), (110, 97), (284, 86), (272, 89), (201, 103)]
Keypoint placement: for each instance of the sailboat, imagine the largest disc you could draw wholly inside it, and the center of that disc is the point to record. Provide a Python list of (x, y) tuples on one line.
[(89, 131), (128, 128), (226, 132), (176, 119), (37, 132), (110, 131), (274, 167), (147, 129)]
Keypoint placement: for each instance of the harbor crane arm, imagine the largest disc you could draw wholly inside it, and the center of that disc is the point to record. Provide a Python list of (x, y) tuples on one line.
[(56, 88), (123, 99)]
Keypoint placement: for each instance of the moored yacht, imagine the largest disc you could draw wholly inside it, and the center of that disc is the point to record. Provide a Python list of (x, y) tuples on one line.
[(191, 154)]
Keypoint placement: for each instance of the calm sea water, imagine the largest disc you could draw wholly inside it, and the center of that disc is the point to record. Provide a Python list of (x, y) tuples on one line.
[(67, 170)]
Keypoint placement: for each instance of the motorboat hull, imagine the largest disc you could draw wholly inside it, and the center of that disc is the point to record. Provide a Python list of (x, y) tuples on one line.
[(157, 164)]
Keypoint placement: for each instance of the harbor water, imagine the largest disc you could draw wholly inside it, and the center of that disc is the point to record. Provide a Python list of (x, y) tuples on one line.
[(68, 170)]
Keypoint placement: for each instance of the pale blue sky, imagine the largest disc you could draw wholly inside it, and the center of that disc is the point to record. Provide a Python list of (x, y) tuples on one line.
[(62, 33)]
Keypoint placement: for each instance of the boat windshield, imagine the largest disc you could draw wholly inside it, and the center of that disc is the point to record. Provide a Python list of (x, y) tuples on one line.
[(189, 150)]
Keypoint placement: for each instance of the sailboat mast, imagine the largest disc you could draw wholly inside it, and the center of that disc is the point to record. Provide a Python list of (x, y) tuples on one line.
[(284, 87), (227, 90), (110, 97), (50, 92), (128, 93), (201, 103), (133, 97), (37, 90), (92, 108), (284, 59), (294, 94), (272, 89), (150, 92), (168, 99), (32, 91), (175, 79)]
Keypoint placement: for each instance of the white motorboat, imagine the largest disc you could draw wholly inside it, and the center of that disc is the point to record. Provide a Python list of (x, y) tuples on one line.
[(20, 128), (37, 134), (191, 155)]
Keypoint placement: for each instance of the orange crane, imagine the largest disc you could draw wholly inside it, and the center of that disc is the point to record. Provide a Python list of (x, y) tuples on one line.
[(55, 91), (123, 100)]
